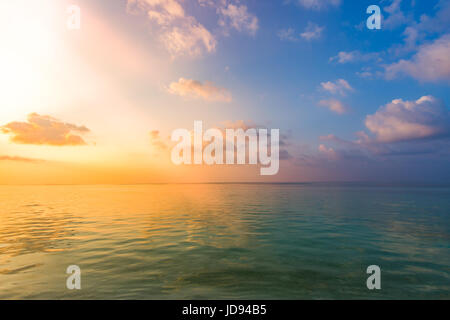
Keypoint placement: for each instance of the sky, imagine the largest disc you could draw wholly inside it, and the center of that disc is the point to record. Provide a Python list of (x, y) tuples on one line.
[(98, 104)]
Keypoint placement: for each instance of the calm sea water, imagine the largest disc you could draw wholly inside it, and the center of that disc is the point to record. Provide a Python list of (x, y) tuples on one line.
[(220, 241)]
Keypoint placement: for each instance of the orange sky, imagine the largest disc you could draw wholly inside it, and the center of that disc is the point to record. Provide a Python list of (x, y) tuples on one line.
[(68, 118)]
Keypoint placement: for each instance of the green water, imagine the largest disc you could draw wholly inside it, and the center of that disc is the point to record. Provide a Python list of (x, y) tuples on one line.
[(224, 241)]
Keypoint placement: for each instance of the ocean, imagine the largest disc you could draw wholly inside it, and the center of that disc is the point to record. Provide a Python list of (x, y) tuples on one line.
[(224, 241)]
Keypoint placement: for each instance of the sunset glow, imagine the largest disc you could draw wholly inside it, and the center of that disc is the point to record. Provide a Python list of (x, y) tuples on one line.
[(98, 104)]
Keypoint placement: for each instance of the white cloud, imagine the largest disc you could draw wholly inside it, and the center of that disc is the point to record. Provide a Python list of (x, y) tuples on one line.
[(287, 35), (400, 120), (191, 39), (344, 57), (207, 3), (312, 31), (233, 15), (427, 25), (180, 33), (196, 90), (440, 22), (340, 86), (334, 105), (401, 134), (353, 56), (430, 63), (366, 74), (396, 16), (319, 4), (328, 152), (237, 17)]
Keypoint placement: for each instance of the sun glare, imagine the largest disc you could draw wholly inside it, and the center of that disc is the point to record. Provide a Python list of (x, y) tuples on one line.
[(29, 45)]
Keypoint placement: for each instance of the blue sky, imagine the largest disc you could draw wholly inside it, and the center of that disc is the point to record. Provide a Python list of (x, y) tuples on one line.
[(276, 80)]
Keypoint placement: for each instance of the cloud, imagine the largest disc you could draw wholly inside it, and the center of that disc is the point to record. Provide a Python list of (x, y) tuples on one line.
[(400, 128), (328, 152), (368, 147), (440, 22), (354, 56), (411, 36), (245, 125), (284, 139), (20, 159), (207, 3), (430, 64), (240, 124), (425, 118), (183, 34), (427, 26), (312, 31), (156, 141), (341, 86), (406, 140), (344, 57), (45, 130), (287, 35), (237, 17), (365, 73), (396, 16), (196, 90), (319, 4), (188, 40), (180, 33), (334, 105)]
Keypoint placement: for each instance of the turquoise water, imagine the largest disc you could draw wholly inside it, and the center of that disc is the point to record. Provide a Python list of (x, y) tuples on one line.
[(224, 241)]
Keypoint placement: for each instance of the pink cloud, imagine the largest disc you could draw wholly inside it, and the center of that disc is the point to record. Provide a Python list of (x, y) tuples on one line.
[(194, 89), (430, 64), (334, 105), (401, 120)]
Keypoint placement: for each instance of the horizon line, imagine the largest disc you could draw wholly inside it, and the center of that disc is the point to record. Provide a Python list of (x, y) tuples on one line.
[(367, 183)]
